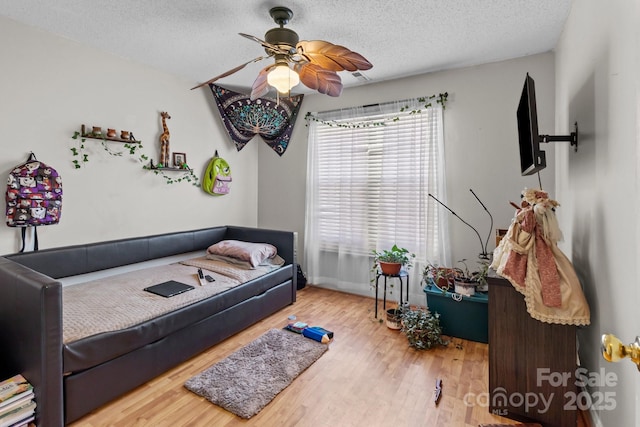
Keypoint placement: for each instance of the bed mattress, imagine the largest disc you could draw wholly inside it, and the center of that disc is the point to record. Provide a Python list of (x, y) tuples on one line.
[(108, 317)]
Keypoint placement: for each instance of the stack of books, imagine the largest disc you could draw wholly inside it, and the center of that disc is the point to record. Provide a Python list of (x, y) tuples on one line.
[(17, 406)]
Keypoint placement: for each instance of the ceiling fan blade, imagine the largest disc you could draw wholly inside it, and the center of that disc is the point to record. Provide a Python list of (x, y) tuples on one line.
[(325, 81), (271, 47), (228, 73), (260, 86), (332, 56)]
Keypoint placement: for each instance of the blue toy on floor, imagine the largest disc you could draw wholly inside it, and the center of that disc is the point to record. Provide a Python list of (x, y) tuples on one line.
[(318, 334)]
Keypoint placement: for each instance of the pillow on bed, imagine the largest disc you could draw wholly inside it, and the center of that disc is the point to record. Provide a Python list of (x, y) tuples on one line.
[(252, 253)]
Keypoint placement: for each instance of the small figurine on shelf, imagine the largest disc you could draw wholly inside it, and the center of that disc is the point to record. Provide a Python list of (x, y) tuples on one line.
[(124, 134), (111, 133), (97, 131), (164, 139)]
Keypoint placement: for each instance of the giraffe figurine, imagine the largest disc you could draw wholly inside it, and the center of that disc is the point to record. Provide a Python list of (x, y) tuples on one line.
[(164, 140)]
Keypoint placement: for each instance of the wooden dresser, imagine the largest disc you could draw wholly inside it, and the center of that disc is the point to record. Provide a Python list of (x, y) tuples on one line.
[(532, 365)]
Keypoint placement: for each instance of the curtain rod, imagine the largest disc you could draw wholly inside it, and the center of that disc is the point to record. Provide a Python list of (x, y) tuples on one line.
[(378, 104)]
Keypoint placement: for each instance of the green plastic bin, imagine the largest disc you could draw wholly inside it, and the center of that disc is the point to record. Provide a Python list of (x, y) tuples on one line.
[(466, 318)]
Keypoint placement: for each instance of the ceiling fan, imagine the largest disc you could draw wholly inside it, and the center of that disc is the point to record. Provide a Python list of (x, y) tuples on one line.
[(314, 63)]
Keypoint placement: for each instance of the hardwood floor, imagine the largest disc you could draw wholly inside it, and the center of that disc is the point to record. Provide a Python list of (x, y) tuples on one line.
[(369, 377)]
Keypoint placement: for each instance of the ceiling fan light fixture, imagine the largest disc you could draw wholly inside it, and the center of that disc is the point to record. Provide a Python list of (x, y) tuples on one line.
[(317, 61), (283, 78)]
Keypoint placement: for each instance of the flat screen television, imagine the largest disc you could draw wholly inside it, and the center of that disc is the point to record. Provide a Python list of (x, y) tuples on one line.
[(532, 158)]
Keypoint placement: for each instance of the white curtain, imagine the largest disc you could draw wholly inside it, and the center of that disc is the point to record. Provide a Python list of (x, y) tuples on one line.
[(370, 171)]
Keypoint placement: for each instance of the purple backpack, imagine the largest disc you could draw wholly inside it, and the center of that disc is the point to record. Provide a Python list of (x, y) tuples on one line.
[(34, 196)]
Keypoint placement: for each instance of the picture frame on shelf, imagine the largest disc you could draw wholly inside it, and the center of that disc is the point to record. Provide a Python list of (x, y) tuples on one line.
[(179, 159)]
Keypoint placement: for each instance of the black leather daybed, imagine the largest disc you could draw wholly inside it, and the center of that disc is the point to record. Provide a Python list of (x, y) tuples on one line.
[(72, 378)]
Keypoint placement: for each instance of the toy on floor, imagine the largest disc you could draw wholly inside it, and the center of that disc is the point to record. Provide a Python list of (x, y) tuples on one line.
[(297, 327), (318, 334), (437, 393), (313, 332), (294, 326)]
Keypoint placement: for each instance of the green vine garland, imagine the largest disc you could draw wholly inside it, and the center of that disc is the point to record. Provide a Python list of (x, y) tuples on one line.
[(426, 101), (78, 151), (81, 158)]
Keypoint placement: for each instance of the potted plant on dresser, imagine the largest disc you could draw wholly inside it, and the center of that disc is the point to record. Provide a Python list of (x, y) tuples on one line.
[(390, 262)]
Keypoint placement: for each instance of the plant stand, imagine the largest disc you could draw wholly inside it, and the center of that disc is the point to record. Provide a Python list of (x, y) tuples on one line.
[(400, 276)]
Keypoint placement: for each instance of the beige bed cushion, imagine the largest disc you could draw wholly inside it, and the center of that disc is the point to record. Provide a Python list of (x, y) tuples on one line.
[(117, 302), (230, 270), (276, 261)]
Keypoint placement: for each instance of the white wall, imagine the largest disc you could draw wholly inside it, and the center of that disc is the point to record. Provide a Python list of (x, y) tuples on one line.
[(481, 148), (51, 85), (596, 84)]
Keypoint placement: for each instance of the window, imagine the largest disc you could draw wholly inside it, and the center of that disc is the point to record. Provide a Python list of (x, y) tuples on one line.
[(370, 172)]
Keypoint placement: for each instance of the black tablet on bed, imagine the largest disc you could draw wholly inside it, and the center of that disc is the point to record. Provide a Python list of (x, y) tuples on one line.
[(169, 289)]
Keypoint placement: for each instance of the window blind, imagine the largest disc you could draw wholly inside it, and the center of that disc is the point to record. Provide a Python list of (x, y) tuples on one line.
[(371, 173)]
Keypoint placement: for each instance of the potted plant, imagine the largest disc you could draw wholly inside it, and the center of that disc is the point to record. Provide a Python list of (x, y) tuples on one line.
[(457, 279), (390, 261), (394, 317), (441, 277), (466, 282), (481, 275), (422, 328)]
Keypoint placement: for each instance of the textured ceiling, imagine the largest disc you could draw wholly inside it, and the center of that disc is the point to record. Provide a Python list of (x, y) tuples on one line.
[(198, 39)]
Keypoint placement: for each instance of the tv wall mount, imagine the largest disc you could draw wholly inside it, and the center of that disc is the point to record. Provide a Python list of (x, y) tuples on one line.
[(572, 138)]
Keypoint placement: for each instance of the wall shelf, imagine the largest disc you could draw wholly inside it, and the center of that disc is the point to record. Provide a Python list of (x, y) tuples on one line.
[(187, 173), (154, 168), (104, 137)]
